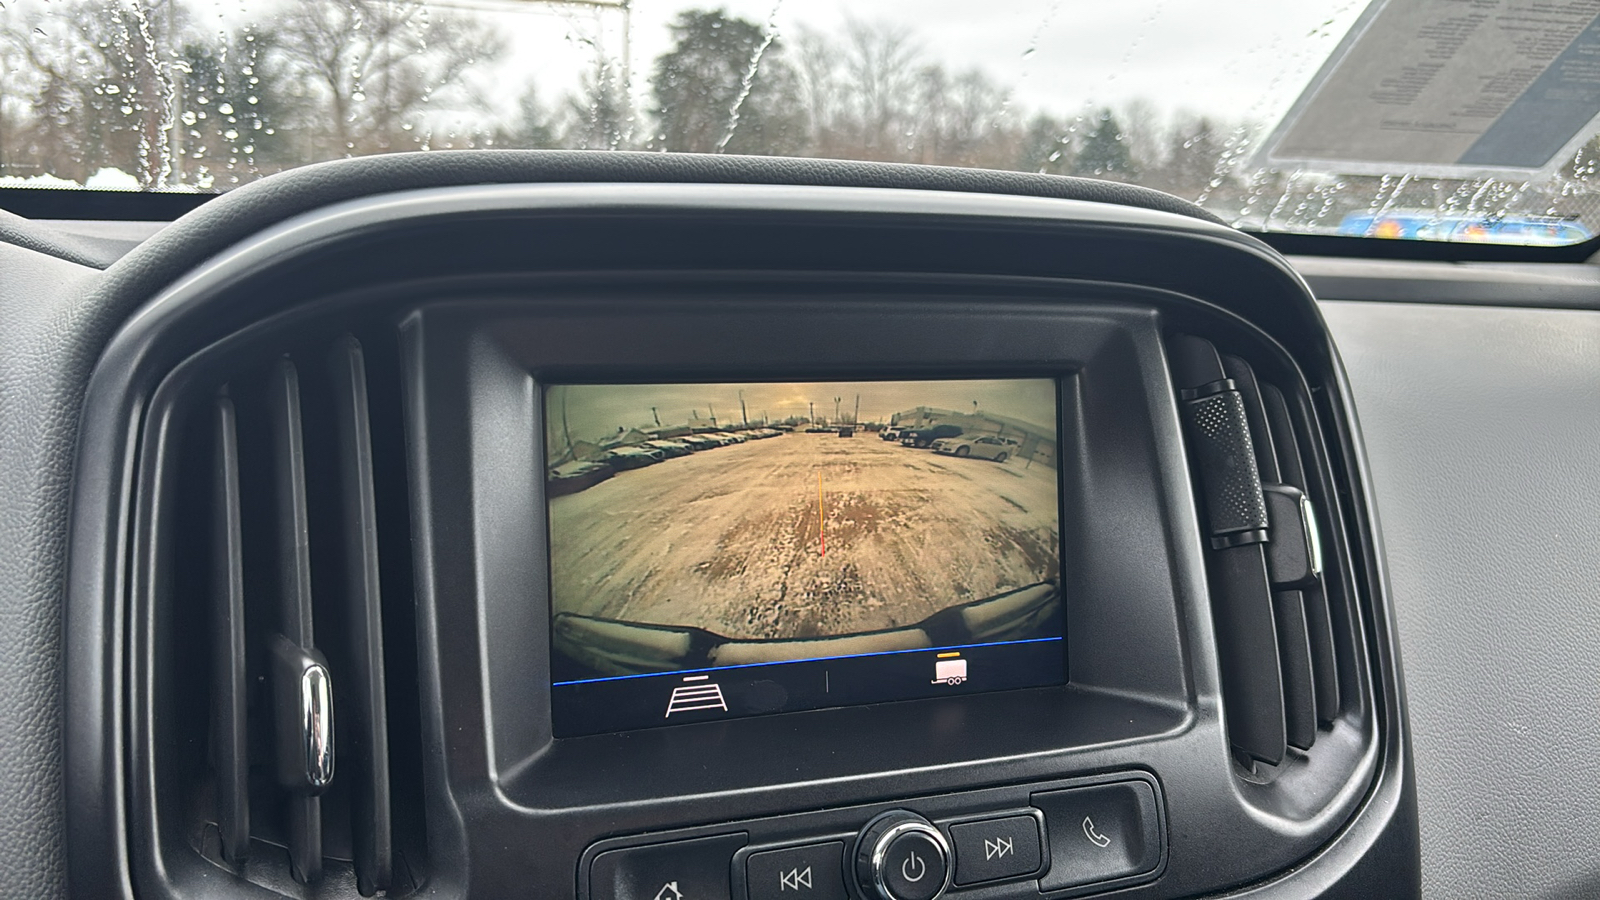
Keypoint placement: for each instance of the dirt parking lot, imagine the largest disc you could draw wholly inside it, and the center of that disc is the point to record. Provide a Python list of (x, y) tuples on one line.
[(737, 540)]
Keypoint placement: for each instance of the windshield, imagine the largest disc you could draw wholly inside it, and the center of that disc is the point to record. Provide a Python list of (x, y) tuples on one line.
[(1405, 119)]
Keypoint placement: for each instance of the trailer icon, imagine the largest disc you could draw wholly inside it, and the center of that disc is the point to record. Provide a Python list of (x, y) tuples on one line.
[(950, 671)]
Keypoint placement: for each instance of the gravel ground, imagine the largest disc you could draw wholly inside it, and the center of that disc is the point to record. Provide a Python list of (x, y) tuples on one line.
[(728, 539)]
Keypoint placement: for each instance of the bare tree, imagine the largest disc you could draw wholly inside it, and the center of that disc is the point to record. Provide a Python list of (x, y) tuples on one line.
[(880, 65), (600, 114), (817, 79), (103, 79), (371, 68)]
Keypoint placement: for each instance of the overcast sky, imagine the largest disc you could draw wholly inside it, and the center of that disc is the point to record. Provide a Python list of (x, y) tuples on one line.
[(595, 411), (1234, 59), (1231, 58)]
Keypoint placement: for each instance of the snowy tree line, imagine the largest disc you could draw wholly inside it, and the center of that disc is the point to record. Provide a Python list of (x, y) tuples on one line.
[(139, 86)]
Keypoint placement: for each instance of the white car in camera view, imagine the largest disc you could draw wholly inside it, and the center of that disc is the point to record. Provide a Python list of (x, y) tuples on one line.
[(986, 446)]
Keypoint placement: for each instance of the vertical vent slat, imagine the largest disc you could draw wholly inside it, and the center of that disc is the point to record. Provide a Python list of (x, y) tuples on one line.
[(1319, 622), (1299, 694), (364, 682), (1294, 654), (1241, 594), (294, 599), (229, 709), (1261, 437)]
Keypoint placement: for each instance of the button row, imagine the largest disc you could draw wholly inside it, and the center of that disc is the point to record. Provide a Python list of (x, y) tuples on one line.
[(1094, 834)]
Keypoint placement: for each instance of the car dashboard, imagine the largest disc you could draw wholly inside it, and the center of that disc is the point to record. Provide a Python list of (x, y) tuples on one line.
[(317, 540)]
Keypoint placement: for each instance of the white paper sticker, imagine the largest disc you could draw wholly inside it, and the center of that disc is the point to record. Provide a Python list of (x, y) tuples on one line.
[(1450, 88)]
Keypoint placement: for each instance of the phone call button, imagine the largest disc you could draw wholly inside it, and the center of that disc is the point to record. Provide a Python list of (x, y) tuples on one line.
[(1106, 832)]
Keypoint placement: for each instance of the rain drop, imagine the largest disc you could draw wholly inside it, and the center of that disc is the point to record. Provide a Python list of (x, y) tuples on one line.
[(226, 109)]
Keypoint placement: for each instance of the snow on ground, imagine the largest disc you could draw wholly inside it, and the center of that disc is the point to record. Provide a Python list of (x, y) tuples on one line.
[(106, 179), (728, 539)]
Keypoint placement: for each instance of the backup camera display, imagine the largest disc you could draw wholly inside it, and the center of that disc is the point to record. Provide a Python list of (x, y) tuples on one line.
[(720, 550)]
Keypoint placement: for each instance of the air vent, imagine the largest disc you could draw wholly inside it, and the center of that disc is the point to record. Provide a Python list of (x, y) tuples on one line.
[(1255, 460), (290, 746)]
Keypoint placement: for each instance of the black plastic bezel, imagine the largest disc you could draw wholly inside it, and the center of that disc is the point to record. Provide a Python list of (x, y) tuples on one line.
[(470, 810)]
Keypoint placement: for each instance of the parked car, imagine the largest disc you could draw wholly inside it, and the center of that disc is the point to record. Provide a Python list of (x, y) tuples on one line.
[(633, 457), (699, 441), (670, 449), (572, 477), (890, 434), (1433, 225), (726, 437), (922, 438), (847, 431), (998, 449)]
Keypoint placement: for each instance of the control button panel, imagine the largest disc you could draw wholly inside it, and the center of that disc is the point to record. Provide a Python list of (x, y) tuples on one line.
[(995, 849), (811, 872), (1078, 836), (680, 870), (1100, 833)]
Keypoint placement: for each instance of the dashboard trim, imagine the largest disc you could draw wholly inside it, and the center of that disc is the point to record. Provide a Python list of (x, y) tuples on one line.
[(154, 339)]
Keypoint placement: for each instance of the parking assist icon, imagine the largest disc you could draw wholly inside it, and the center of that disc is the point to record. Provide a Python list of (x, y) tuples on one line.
[(695, 693)]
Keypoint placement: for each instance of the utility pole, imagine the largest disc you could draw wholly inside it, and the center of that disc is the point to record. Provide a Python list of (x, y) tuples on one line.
[(565, 431), (744, 415), (655, 416), (836, 408), (857, 416), (627, 49), (812, 419), (713, 411)]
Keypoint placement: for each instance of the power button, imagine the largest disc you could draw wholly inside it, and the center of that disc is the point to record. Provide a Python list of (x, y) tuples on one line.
[(901, 856)]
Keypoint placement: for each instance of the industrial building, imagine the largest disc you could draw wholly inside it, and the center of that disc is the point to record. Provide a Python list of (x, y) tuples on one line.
[(1035, 442)]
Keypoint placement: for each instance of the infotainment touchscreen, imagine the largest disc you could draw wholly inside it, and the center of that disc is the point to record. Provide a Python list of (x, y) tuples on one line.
[(726, 550)]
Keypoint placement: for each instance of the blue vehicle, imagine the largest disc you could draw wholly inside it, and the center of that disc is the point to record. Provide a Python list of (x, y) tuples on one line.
[(1426, 225)]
